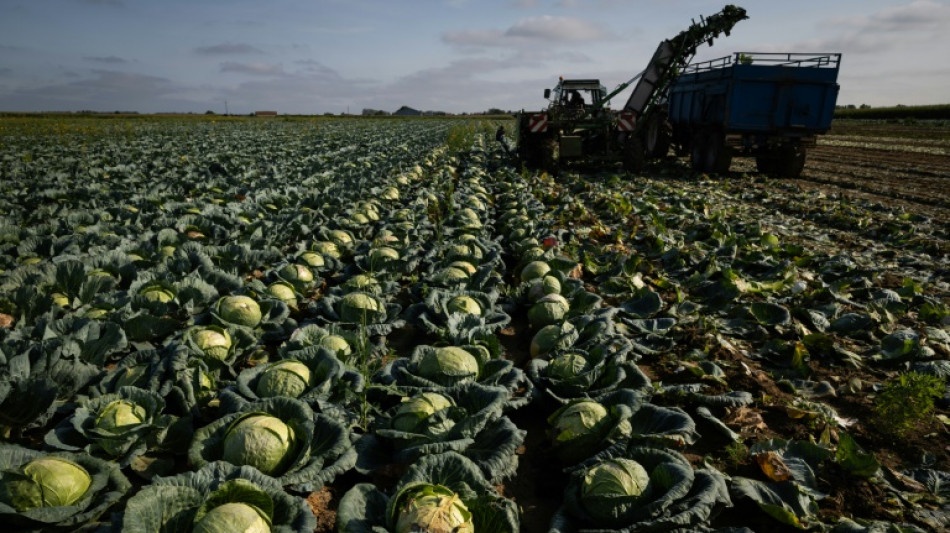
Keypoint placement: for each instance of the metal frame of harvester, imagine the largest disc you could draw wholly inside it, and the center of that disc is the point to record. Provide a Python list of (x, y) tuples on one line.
[(766, 105), (568, 131)]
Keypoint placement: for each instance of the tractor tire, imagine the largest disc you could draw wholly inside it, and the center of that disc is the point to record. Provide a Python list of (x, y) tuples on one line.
[(529, 151), (634, 157), (718, 154), (658, 137), (789, 161)]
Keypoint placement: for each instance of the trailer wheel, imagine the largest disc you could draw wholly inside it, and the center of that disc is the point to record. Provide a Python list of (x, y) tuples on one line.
[(765, 163), (658, 137), (697, 153), (789, 160), (634, 158), (709, 153), (718, 154)]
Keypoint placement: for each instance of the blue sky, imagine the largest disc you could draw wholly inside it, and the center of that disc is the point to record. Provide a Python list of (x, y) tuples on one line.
[(317, 56)]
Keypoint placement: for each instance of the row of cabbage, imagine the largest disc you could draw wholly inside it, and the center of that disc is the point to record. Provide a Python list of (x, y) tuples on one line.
[(205, 323), (234, 329)]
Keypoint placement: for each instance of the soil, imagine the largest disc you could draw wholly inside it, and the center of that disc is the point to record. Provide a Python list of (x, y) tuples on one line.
[(324, 503), (886, 164)]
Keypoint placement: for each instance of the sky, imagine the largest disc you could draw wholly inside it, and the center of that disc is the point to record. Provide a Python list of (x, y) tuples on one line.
[(337, 56)]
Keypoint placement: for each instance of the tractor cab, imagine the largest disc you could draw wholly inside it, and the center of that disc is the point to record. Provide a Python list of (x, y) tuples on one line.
[(577, 93)]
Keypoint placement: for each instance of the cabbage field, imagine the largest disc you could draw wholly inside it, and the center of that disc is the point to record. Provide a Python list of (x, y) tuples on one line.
[(214, 324)]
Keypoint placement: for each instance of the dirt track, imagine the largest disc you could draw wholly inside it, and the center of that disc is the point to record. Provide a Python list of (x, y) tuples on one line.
[(884, 164)]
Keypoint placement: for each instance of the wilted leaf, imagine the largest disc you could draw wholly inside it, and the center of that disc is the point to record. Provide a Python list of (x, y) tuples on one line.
[(773, 466)]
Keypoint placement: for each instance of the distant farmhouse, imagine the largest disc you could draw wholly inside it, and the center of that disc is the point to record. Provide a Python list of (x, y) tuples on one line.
[(265, 113), (406, 111)]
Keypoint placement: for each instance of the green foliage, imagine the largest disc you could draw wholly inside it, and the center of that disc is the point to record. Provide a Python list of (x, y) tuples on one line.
[(852, 459), (736, 453), (906, 401)]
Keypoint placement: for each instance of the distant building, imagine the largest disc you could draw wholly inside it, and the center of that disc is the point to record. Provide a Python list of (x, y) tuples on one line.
[(406, 111), (265, 113)]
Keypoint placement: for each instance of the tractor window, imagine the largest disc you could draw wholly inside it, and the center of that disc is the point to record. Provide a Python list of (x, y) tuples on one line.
[(575, 99)]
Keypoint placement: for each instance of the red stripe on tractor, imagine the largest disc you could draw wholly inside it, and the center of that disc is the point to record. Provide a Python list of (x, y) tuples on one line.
[(538, 123), (626, 121)]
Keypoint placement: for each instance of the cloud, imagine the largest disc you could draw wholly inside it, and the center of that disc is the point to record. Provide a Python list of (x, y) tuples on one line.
[(257, 69), (228, 49), (532, 31), (915, 16), (550, 28), (4, 71), (915, 23), (105, 90), (315, 68), (103, 2), (112, 60)]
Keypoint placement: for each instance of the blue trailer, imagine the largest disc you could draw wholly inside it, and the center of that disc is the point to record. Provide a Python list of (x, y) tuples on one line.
[(766, 105)]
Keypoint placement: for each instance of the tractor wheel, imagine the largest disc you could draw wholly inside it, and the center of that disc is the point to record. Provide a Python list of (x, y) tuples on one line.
[(550, 156), (529, 151), (658, 137), (718, 154), (634, 158), (789, 160)]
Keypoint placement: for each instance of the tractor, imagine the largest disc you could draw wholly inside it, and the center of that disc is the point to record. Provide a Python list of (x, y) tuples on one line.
[(579, 125)]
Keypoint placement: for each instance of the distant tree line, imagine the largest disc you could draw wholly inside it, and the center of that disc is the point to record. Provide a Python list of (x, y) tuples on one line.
[(921, 112)]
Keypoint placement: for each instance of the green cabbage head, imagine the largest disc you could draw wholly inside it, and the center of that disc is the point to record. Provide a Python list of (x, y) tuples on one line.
[(464, 266), (215, 342), (259, 440), (544, 286), (578, 419), (284, 378), (434, 509), (336, 344), (551, 337), (412, 414), (283, 291), (240, 310), (357, 307), (231, 517), (448, 362), (300, 276), (568, 365), (117, 418), (612, 481), (464, 304), (383, 256), (548, 310), (327, 248), (45, 482), (534, 270), (157, 293), (313, 259)]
